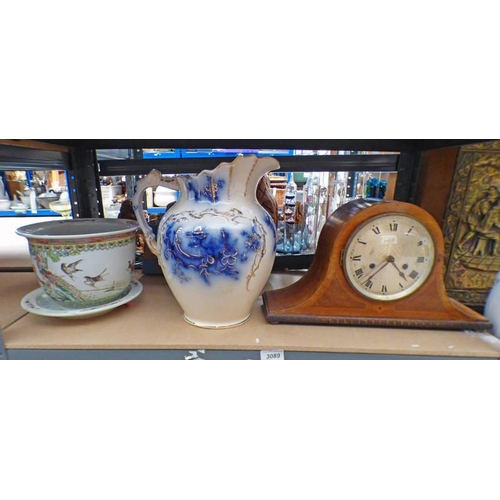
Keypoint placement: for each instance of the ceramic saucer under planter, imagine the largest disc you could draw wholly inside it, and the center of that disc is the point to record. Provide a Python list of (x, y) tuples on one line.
[(38, 302)]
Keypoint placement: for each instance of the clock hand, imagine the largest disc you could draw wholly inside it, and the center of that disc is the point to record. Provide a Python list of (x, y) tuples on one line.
[(401, 273), (387, 261)]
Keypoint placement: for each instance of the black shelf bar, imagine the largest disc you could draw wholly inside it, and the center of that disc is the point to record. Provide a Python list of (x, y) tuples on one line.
[(20, 158), (388, 145), (323, 163)]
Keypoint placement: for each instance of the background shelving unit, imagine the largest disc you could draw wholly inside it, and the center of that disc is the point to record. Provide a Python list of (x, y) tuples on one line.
[(84, 167)]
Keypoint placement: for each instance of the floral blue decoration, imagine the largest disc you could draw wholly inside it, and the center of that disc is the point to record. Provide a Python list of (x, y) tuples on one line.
[(206, 188), (209, 252)]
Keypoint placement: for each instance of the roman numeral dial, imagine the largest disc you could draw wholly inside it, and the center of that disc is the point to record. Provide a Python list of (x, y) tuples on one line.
[(389, 257)]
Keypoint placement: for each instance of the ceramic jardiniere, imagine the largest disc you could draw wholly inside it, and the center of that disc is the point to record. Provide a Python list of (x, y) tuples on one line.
[(216, 245), (83, 263)]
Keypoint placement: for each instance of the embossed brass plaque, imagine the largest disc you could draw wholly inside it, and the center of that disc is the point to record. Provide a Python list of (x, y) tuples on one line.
[(472, 224)]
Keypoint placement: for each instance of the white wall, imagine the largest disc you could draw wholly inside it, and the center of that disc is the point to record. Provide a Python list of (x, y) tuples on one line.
[(14, 248)]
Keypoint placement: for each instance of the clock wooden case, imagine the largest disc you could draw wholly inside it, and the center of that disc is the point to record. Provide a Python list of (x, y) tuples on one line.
[(378, 263)]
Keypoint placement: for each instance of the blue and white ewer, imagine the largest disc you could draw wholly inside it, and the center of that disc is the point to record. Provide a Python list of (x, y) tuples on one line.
[(216, 246)]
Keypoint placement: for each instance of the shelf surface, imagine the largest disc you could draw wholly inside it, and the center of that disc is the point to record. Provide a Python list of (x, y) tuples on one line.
[(154, 321), (13, 287)]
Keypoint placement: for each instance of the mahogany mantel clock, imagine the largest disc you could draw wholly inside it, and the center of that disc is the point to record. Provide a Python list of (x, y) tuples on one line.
[(378, 263)]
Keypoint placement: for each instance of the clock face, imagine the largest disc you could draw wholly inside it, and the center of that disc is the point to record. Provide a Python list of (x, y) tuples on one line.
[(389, 257)]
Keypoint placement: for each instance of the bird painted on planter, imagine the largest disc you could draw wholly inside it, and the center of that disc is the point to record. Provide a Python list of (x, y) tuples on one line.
[(92, 280), (71, 269)]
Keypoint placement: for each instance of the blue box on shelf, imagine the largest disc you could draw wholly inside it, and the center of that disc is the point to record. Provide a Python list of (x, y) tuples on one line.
[(160, 154), (231, 153)]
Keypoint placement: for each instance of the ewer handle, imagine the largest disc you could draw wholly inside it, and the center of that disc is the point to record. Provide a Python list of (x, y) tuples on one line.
[(152, 180)]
